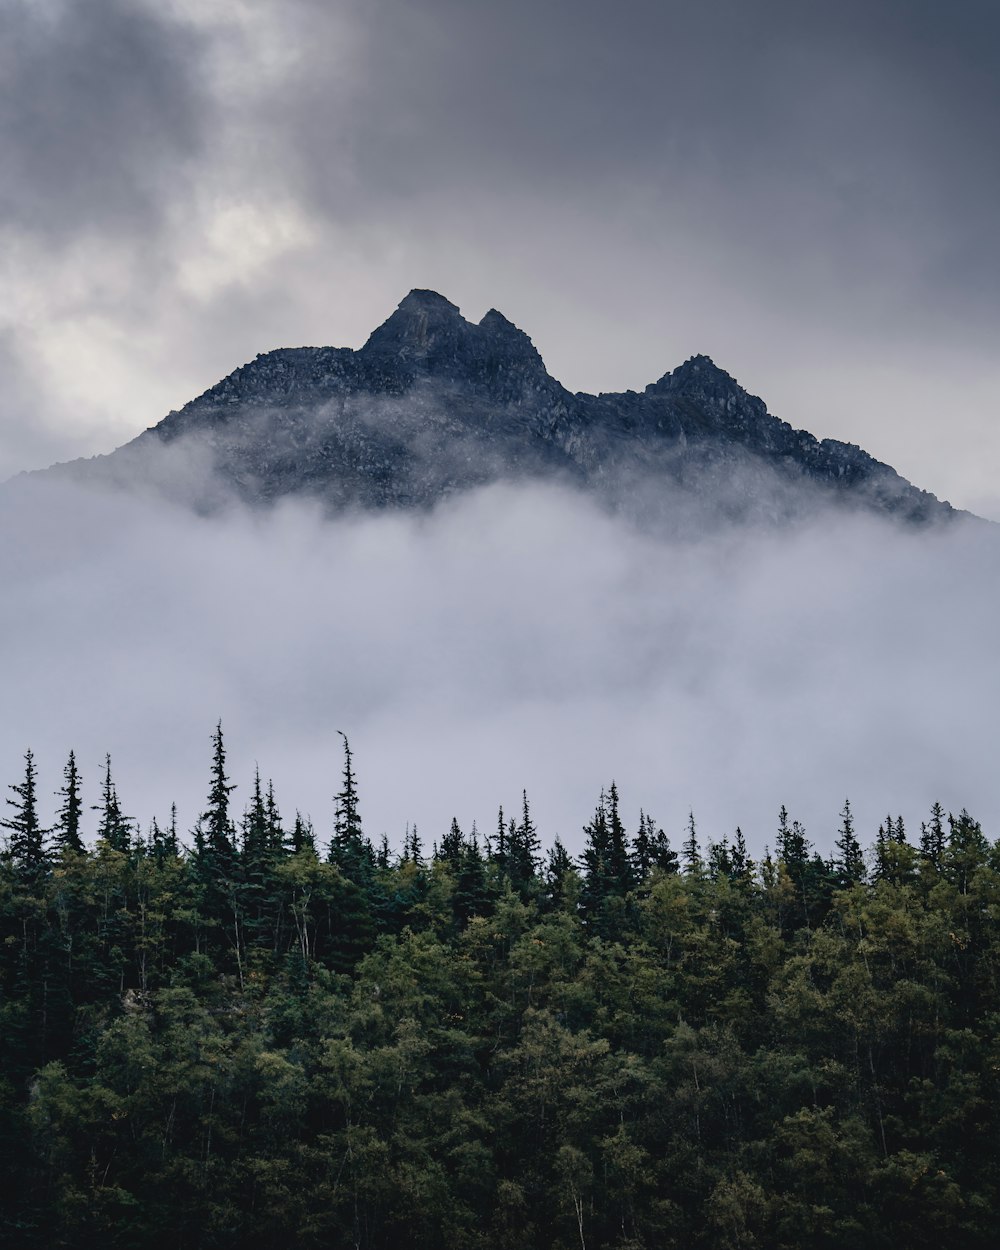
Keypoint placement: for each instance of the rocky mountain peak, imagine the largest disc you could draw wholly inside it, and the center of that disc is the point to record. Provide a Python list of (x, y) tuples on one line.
[(698, 372), (427, 336), (433, 404), (423, 325)]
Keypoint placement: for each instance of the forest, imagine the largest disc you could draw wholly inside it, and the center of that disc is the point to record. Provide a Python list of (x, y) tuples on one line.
[(242, 1035)]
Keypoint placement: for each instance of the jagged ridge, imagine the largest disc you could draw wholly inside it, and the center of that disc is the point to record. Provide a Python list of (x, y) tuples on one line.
[(433, 403)]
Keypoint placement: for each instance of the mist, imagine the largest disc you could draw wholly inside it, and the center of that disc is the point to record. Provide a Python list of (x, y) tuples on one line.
[(515, 637)]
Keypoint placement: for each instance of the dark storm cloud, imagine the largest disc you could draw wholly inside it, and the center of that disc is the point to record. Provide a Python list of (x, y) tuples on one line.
[(102, 108), (813, 135), (863, 130)]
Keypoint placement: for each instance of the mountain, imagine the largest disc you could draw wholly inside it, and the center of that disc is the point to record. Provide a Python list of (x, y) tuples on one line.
[(433, 404)]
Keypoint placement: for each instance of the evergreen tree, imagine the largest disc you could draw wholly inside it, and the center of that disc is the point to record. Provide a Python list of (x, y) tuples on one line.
[(523, 850), (349, 849), (665, 858), (256, 828), (67, 828), (807, 876), (498, 854), (720, 862), (347, 819), (413, 847), (276, 842), (303, 838), (164, 842), (596, 886), (742, 864), (216, 877), (218, 830), (171, 842), (692, 851), (933, 839), (791, 845), (27, 837), (472, 897), (113, 828), (451, 845), (620, 870), (967, 850), (558, 872), (849, 863), (256, 856), (651, 849), (881, 868), (642, 847)]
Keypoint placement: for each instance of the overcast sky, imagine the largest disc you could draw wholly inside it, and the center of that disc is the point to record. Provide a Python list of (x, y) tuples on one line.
[(804, 191)]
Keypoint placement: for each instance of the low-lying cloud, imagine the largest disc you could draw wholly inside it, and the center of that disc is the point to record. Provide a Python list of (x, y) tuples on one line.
[(514, 637)]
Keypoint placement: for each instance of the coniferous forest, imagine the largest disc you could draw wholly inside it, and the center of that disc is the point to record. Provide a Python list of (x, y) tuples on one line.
[(251, 1037)]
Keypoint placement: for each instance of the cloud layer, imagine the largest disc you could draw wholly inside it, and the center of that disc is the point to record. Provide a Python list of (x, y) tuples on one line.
[(513, 638)]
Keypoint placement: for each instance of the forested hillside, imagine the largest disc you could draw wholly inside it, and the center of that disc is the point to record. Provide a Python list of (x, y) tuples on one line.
[(243, 1037)]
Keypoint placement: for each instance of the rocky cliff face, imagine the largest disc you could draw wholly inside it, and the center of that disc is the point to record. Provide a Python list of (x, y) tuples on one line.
[(434, 404)]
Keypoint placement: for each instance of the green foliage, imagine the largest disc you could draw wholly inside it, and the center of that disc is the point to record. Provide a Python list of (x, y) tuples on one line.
[(250, 1044)]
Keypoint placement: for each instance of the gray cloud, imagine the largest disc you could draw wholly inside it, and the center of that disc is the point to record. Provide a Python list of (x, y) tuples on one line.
[(804, 191), (103, 109)]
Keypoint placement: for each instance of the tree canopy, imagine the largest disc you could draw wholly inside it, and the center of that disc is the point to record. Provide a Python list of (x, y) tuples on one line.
[(271, 1037)]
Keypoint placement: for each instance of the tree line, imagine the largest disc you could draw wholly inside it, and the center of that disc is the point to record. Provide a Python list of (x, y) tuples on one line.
[(252, 1040)]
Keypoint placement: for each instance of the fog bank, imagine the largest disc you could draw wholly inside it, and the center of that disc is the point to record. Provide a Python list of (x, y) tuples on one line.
[(515, 637)]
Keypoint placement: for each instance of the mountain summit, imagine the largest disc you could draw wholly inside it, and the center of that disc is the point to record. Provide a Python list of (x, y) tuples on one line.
[(433, 404)]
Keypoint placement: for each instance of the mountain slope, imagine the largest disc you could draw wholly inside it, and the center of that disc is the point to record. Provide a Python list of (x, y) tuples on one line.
[(433, 404)]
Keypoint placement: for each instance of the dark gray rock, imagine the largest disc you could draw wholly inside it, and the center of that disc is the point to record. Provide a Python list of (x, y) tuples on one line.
[(433, 404)]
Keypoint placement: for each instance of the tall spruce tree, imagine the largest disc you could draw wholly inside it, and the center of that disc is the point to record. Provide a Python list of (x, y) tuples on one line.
[(933, 839), (276, 840), (497, 853), (693, 863), (27, 837), (523, 848), (742, 864), (256, 839), (596, 874), (620, 869), (451, 845), (559, 873), (849, 862), (720, 860), (114, 828), (349, 849), (68, 818), (642, 846), (217, 826), (303, 838), (164, 842), (472, 895), (793, 854)]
